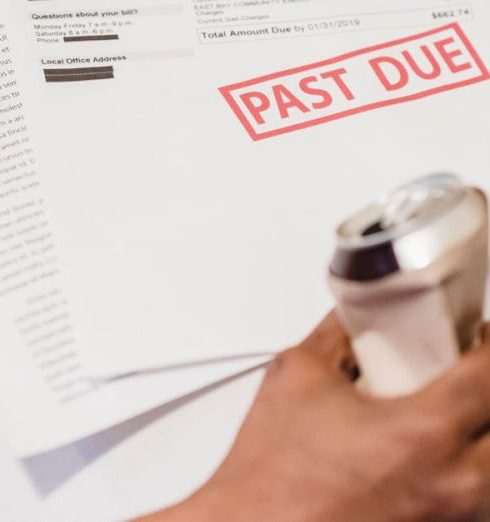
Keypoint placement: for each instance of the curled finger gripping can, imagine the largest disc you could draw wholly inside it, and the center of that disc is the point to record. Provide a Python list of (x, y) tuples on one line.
[(409, 275)]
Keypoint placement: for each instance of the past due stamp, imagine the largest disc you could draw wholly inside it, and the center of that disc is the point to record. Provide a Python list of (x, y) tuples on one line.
[(395, 72)]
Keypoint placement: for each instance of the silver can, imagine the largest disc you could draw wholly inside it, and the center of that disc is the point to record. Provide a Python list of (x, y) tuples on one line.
[(409, 276)]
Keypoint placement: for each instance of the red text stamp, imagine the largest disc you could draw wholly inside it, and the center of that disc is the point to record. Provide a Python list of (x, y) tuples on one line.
[(407, 69)]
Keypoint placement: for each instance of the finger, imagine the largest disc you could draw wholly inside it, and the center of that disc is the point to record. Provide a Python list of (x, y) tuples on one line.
[(485, 333), (325, 354), (479, 454), (482, 336), (463, 394), (477, 458)]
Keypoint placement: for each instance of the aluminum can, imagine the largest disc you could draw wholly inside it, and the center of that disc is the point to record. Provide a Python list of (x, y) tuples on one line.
[(409, 275)]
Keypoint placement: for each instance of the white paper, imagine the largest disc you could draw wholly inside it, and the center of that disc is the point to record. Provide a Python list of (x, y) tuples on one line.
[(47, 396), (175, 236)]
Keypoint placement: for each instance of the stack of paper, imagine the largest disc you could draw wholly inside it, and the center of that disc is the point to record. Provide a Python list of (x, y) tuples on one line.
[(171, 174)]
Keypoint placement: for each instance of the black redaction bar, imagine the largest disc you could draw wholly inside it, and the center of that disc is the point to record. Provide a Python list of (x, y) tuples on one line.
[(91, 38), (79, 74)]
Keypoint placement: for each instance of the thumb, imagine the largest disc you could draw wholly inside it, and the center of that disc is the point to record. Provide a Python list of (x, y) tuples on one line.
[(331, 346), (325, 356)]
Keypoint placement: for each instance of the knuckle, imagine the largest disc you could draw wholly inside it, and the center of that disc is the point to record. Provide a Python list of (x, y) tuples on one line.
[(421, 502), (470, 378), (298, 369), (431, 432), (459, 498), (285, 359), (465, 505), (463, 385), (286, 364), (424, 439)]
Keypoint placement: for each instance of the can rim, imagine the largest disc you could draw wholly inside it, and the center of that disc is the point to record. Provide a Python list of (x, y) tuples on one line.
[(454, 191)]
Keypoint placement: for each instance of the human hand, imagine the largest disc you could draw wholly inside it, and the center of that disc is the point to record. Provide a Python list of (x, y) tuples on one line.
[(315, 449)]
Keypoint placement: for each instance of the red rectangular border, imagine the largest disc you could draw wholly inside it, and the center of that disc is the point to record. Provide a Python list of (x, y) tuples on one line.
[(226, 91)]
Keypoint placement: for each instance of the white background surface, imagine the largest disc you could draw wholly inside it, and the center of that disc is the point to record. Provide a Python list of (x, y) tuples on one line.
[(137, 467), (160, 457)]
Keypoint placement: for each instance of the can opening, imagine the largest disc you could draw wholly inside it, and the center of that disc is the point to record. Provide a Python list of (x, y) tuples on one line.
[(375, 228)]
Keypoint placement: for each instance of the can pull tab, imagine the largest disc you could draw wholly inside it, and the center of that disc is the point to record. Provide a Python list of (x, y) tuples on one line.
[(405, 205), (419, 199), (400, 208)]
